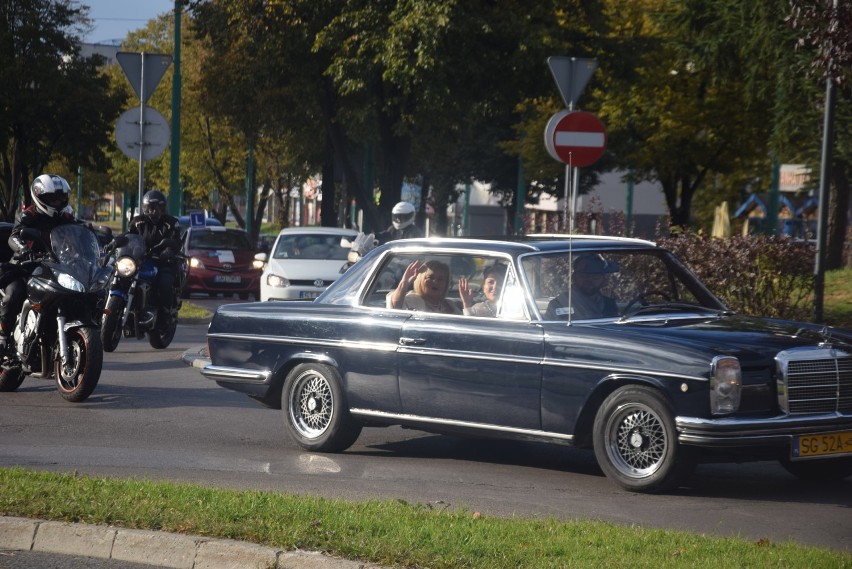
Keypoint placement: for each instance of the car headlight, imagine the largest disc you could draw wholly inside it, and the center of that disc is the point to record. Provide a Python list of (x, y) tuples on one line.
[(196, 263), (725, 385), (125, 266), (67, 281), (257, 264), (275, 280)]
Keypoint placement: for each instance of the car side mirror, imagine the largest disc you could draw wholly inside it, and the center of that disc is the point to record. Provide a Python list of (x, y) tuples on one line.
[(262, 257)]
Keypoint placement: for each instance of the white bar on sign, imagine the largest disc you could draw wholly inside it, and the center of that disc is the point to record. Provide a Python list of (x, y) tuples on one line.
[(582, 139)]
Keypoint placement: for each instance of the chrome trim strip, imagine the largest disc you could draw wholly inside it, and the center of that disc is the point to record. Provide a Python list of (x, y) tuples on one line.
[(387, 347), (372, 346), (235, 374), (406, 418)]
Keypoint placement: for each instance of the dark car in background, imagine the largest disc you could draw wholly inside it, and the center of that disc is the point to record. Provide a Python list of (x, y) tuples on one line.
[(220, 261), (663, 378)]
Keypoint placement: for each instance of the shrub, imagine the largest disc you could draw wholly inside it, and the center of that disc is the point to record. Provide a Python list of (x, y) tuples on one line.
[(755, 275)]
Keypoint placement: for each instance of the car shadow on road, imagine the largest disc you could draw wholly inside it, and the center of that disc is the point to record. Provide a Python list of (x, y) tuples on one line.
[(765, 481)]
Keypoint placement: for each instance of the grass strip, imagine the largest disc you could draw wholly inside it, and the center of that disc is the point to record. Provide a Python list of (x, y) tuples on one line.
[(387, 532)]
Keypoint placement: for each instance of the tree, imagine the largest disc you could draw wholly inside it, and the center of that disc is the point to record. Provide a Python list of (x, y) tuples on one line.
[(55, 103)]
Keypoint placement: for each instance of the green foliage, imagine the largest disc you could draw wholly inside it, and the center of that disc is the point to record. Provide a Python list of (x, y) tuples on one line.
[(54, 103), (754, 275)]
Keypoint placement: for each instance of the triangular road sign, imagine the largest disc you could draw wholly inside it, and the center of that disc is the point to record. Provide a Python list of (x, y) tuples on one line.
[(571, 75), (155, 67)]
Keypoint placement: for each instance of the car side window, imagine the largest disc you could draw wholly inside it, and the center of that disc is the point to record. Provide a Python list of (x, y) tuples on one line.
[(477, 285)]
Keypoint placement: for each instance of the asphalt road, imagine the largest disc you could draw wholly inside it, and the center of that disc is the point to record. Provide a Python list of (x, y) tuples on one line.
[(154, 417)]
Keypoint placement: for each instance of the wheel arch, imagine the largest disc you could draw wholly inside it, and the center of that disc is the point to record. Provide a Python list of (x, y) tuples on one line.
[(586, 420), (279, 375)]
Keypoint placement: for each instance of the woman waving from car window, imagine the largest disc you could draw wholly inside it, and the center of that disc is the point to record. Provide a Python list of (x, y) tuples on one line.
[(423, 287)]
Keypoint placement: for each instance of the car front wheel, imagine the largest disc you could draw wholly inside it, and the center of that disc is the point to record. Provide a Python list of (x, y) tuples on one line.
[(315, 411), (636, 442)]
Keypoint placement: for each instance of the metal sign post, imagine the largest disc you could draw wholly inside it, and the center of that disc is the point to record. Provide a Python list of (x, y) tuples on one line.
[(144, 80), (571, 75)]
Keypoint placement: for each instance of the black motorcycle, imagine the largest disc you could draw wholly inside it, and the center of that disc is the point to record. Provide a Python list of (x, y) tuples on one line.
[(129, 310), (57, 332)]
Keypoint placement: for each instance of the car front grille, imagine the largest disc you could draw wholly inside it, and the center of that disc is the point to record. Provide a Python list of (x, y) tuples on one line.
[(814, 380)]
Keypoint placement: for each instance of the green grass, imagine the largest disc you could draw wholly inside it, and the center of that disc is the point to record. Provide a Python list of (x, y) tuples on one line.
[(387, 532), (189, 312), (837, 298)]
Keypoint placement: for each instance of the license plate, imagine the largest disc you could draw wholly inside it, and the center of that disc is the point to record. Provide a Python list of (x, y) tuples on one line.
[(308, 294), (226, 279), (805, 446)]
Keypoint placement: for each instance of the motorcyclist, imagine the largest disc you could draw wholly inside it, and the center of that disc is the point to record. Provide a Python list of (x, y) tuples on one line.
[(155, 226), (402, 226), (49, 209)]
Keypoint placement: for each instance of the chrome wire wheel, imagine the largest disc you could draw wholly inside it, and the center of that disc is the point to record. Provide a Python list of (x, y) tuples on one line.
[(311, 404), (636, 440)]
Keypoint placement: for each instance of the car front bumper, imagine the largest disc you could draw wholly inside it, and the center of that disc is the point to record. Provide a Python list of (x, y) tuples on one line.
[(747, 432)]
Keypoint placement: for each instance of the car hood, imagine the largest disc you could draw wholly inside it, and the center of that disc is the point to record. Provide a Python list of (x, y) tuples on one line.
[(748, 338), (212, 257), (306, 269)]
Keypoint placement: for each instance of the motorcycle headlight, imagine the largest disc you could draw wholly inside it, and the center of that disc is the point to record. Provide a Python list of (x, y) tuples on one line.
[(125, 266), (725, 385), (67, 281)]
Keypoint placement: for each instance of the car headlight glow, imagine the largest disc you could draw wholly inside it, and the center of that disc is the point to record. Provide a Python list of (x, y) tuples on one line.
[(257, 264), (196, 263), (275, 280), (725, 385), (125, 266), (67, 281)]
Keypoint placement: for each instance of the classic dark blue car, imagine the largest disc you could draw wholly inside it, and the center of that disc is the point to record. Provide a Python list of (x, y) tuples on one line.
[(595, 342)]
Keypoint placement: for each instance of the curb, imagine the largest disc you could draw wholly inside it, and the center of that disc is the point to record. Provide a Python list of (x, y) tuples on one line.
[(197, 357), (163, 549)]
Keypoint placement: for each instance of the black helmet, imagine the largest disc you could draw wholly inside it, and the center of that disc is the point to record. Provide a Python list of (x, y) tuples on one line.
[(154, 205), (50, 194)]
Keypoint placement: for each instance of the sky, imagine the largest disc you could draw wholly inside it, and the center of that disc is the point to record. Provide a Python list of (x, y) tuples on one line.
[(113, 19)]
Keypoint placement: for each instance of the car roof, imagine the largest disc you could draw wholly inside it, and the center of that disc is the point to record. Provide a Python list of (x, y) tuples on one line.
[(540, 243), (184, 220), (317, 230)]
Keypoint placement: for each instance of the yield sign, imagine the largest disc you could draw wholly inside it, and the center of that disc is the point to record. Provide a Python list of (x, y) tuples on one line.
[(144, 71), (571, 75), (576, 138)]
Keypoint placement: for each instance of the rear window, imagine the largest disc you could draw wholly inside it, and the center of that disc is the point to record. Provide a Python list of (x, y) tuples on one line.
[(231, 239)]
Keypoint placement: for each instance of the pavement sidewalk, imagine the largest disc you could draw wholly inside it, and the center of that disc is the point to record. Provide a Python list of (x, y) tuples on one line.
[(161, 549)]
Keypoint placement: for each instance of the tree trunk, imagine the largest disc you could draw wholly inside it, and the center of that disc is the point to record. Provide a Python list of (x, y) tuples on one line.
[(328, 215), (838, 208)]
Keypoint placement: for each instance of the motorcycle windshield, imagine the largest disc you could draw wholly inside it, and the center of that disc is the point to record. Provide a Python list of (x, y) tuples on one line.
[(77, 250), (135, 247)]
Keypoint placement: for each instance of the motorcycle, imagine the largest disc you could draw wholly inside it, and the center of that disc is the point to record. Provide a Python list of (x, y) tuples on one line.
[(56, 335), (128, 308)]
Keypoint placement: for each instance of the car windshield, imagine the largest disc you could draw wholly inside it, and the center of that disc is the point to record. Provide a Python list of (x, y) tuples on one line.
[(310, 247), (614, 284), (230, 239)]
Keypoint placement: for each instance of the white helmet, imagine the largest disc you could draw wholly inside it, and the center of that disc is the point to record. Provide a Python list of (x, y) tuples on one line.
[(402, 215), (50, 194)]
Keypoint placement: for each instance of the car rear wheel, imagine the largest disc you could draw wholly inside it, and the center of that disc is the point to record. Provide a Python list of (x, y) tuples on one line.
[(636, 442), (315, 412)]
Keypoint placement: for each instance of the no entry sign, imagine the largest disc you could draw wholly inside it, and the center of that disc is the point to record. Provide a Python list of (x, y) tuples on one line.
[(576, 138)]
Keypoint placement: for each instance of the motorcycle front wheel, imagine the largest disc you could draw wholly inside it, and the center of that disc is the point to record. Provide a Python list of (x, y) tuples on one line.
[(78, 377), (111, 327), (164, 332)]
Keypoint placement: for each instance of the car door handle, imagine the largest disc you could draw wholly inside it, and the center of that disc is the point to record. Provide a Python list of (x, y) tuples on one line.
[(412, 341)]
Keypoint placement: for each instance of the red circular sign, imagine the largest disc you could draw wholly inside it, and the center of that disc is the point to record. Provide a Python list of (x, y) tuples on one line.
[(576, 138)]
